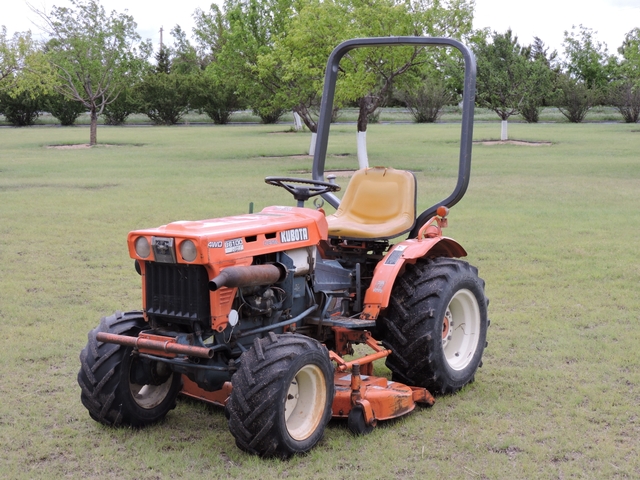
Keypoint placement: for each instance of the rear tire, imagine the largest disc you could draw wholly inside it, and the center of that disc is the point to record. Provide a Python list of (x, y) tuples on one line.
[(108, 392), (436, 325), (282, 396)]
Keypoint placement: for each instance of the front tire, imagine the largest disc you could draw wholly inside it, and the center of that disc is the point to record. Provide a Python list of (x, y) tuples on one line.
[(282, 396), (436, 325), (109, 390)]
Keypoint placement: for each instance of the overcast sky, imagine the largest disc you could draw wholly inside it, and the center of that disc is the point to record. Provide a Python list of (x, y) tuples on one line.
[(547, 19)]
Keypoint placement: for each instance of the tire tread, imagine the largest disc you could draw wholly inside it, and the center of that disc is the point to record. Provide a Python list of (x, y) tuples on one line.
[(252, 410), (99, 377), (407, 325)]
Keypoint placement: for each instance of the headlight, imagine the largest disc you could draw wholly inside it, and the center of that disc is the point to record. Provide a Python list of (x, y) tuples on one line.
[(142, 247), (188, 251)]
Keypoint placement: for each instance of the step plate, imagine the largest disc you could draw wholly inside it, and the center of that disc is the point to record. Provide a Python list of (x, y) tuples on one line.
[(346, 322)]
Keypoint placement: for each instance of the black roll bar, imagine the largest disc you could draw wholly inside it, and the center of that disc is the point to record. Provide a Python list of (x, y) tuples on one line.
[(466, 134)]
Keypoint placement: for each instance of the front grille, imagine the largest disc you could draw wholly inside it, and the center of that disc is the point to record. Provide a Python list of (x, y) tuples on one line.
[(178, 291)]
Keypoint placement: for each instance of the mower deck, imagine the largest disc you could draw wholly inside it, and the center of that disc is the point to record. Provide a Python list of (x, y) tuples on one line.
[(360, 397), (381, 399)]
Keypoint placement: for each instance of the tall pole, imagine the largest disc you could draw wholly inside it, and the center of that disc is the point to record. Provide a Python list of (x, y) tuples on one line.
[(161, 30)]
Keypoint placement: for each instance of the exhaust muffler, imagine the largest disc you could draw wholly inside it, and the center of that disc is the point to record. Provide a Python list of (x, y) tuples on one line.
[(250, 276)]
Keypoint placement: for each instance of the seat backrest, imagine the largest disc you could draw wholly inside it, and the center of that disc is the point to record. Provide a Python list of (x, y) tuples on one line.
[(379, 203)]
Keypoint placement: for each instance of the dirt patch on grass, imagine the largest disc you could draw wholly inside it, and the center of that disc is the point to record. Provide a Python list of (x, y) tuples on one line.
[(337, 173), (340, 173), (513, 142), (304, 156), (346, 172), (78, 146), (24, 186)]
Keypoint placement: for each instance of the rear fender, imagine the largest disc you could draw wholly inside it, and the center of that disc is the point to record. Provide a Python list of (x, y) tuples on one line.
[(392, 265)]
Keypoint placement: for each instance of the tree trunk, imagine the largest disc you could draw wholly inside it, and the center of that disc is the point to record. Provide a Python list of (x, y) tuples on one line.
[(93, 131), (297, 121), (311, 124), (368, 105), (363, 158), (306, 117), (504, 135), (312, 145)]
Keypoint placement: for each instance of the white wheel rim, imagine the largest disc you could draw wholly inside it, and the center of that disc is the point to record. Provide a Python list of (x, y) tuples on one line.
[(305, 402), (461, 329), (150, 396)]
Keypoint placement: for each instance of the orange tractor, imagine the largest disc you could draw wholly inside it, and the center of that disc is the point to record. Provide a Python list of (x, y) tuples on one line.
[(260, 312)]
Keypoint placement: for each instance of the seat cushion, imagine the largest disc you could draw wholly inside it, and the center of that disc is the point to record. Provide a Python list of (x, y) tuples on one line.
[(379, 203)]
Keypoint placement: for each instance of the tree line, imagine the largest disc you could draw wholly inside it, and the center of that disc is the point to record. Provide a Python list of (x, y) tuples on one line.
[(269, 56)]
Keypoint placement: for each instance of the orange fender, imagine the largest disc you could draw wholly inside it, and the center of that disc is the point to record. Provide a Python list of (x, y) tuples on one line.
[(408, 251)]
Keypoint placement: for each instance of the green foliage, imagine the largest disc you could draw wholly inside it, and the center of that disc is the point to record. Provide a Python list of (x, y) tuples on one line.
[(163, 60), (215, 90), (530, 111), (574, 98), (624, 90), (250, 29), (426, 101), (64, 109), (23, 80), (210, 33), (164, 97), (512, 78), (625, 96), (126, 103), (630, 51), (185, 57), (371, 73), (299, 57), (13, 53), (269, 114), (540, 87), (94, 54), (544, 71), (275, 52), (22, 109), (586, 58), (214, 96), (23, 67)]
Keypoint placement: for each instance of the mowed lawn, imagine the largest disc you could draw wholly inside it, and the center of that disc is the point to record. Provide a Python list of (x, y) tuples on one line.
[(553, 230)]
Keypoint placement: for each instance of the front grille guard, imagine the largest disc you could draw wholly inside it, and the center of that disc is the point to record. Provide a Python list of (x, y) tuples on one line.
[(177, 291)]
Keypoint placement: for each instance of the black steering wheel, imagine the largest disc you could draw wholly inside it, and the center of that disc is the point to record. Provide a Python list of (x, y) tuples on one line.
[(302, 189)]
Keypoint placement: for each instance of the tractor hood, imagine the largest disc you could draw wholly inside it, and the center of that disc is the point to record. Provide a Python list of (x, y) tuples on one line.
[(228, 238)]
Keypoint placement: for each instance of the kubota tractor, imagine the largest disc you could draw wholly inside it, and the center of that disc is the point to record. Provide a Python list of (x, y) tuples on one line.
[(257, 312)]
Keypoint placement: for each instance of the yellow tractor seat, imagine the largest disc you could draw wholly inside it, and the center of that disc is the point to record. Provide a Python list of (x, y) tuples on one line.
[(379, 203)]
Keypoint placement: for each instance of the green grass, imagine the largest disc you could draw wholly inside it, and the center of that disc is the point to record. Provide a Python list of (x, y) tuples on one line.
[(552, 229)]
